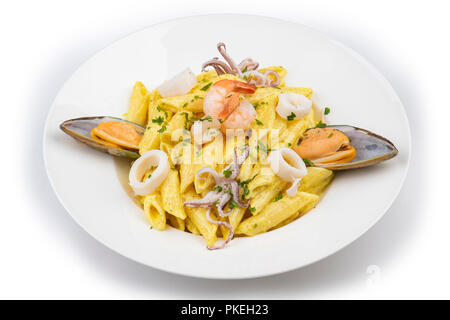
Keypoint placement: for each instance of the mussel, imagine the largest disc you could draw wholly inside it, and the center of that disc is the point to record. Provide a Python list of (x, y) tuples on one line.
[(112, 135), (342, 147)]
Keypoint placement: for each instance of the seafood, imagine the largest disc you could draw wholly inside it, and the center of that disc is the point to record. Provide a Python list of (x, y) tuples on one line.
[(222, 103), (225, 190), (223, 97), (151, 159), (205, 130), (262, 79), (293, 106), (342, 147), (179, 84), (241, 117), (246, 69), (108, 134), (288, 166)]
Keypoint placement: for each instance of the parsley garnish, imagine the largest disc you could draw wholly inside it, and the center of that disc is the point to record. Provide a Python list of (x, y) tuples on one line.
[(206, 87), (261, 146), (185, 105), (330, 135), (218, 188), (277, 88), (291, 116), (208, 118), (252, 209), (245, 69), (244, 185), (162, 110), (186, 118), (255, 105), (289, 144), (159, 120), (255, 225), (163, 128), (259, 123), (227, 173), (321, 125), (309, 163), (327, 110), (198, 97), (232, 204), (278, 197)]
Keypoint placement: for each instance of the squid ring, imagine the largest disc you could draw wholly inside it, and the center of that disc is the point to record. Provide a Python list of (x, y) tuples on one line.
[(293, 103), (292, 170), (152, 158)]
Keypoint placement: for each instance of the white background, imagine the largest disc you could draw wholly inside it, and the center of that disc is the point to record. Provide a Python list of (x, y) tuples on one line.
[(45, 254)]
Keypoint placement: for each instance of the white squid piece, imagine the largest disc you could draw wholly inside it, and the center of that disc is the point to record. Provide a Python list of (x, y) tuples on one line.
[(152, 158), (205, 131), (293, 103), (288, 165), (179, 84)]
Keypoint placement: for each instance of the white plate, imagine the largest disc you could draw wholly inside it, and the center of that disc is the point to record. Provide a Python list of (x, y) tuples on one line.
[(92, 185)]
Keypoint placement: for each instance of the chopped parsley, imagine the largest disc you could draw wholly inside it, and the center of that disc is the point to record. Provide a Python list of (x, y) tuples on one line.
[(255, 225), (244, 185), (163, 128), (197, 97), (149, 176), (185, 105), (277, 88), (245, 69), (232, 204), (321, 125), (162, 110), (208, 118), (289, 144), (291, 116), (259, 123), (327, 111), (278, 197), (252, 209), (227, 173), (218, 188), (255, 105), (206, 87), (159, 120), (330, 135), (261, 146), (186, 119), (309, 163)]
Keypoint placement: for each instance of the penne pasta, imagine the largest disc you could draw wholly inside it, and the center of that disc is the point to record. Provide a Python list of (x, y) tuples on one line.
[(171, 196), (275, 213), (176, 222), (154, 212), (198, 218), (137, 111), (191, 227)]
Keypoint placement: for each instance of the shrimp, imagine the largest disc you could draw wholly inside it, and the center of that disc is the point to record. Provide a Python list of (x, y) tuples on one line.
[(241, 117), (223, 98)]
